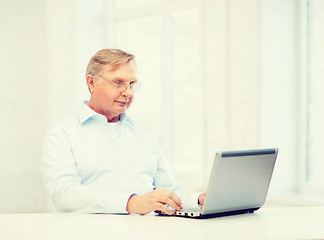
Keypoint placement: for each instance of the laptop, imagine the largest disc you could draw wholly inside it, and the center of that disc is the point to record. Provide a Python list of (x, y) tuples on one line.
[(238, 183)]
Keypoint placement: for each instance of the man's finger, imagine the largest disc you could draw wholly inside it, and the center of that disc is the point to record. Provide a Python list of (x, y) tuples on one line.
[(165, 196), (161, 207), (176, 200), (171, 203)]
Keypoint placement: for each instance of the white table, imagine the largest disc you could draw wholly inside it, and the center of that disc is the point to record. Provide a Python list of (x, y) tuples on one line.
[(266, 223)]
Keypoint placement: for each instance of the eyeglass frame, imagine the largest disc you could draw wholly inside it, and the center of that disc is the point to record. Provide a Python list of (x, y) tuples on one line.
[(122, 86)]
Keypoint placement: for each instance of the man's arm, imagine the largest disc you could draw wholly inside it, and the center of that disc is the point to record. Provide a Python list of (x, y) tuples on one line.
[(64, 184)]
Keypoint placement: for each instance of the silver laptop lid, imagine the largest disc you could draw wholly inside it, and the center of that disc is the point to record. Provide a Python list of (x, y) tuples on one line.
[(239, 180)]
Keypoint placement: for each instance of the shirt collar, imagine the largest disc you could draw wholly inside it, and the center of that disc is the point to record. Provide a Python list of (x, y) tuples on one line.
[(85, 112)]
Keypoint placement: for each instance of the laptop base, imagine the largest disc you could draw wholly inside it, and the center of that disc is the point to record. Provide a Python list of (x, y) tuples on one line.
[(230, 213), (213, 215)]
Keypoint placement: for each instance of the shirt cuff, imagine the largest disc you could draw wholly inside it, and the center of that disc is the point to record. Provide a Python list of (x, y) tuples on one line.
[(117, 202)]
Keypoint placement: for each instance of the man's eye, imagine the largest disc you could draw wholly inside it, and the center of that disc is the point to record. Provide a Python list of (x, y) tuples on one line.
[(120, 83)]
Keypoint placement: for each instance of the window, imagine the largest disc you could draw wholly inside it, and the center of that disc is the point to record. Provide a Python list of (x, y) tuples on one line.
[(315, 93)]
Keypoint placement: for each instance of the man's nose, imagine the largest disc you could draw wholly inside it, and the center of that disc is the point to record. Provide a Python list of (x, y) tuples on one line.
[(128, 91)]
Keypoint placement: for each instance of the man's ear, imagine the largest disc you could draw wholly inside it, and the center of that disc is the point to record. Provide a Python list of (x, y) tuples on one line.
[(90, 82)]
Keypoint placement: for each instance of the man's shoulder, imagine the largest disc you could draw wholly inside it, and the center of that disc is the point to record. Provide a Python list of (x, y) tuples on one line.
[(64, 125)]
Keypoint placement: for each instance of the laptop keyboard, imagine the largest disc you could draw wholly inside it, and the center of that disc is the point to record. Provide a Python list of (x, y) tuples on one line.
[(189, 213)]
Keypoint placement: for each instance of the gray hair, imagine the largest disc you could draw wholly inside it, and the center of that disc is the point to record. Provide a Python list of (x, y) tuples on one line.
[(113, 57)]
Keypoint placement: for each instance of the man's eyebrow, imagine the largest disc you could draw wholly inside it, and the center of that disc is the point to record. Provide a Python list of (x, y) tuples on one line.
[(123, 80)]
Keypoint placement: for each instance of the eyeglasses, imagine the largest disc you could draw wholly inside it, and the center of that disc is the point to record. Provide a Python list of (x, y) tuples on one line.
[(122, 86)]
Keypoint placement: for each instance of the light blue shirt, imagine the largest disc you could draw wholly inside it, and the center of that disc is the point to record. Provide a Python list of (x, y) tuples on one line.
[(92, 166)]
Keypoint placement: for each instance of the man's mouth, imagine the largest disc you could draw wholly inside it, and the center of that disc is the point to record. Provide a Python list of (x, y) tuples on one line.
[(121, 102)]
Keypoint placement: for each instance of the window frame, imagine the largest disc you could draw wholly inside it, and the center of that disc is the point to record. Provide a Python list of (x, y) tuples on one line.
[(303, 185)]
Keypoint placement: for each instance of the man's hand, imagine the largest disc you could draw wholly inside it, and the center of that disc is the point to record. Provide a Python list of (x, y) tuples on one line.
[(154, 201), (201, 199)]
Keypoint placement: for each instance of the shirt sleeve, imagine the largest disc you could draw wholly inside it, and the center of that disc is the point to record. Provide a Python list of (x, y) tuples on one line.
[(165, 179), (64, 184)]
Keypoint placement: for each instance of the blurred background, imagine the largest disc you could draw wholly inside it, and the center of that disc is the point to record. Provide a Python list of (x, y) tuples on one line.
[(216, 75)]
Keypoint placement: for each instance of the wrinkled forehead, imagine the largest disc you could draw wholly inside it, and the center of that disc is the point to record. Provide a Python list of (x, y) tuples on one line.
[(126, 71)]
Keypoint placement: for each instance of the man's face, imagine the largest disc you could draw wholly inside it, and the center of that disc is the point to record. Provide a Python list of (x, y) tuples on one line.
[(106, 98)]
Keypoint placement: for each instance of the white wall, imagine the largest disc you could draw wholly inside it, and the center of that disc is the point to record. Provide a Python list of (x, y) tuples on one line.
[(23, 104), (75, 31)]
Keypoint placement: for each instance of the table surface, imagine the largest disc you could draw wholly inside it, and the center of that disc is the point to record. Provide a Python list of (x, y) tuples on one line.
[(266, 223)]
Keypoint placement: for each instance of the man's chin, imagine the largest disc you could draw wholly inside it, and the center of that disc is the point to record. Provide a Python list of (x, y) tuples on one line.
[(121, 110)]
